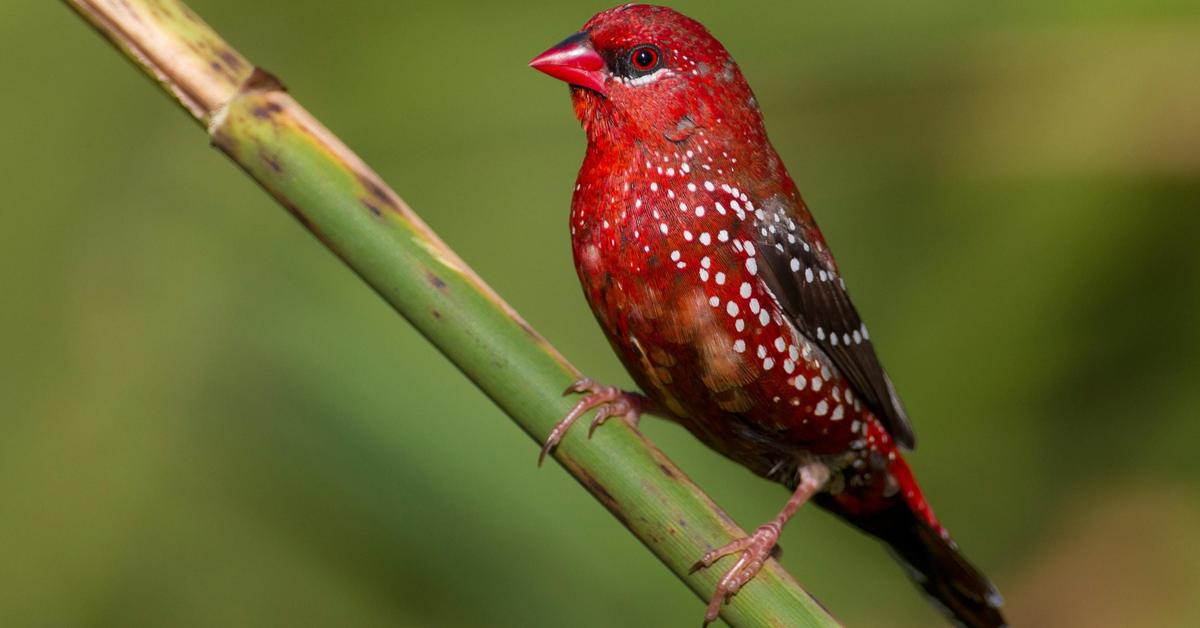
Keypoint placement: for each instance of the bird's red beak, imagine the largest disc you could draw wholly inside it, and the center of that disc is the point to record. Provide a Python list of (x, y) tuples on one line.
[(575, 61)]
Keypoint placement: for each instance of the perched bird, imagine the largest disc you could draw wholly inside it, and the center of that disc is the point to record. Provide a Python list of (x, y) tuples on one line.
[(717, 290)]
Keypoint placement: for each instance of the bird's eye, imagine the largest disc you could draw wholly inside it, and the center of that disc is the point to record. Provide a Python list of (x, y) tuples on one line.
[(644, 58)]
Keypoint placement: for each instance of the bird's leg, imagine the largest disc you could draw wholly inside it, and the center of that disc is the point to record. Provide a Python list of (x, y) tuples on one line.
[(608, 401), (756, 548)]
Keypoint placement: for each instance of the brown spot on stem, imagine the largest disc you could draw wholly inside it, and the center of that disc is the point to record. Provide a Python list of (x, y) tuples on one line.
[(602, 494), (435, 281), (378, 191), (667, 471), (271, 162), (260, 80), (234, 62)]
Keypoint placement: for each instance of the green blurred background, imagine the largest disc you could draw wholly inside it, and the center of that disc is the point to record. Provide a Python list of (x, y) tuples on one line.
[(209, 421)]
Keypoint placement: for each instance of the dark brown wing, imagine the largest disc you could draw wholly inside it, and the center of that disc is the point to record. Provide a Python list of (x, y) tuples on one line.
[(811, 292)]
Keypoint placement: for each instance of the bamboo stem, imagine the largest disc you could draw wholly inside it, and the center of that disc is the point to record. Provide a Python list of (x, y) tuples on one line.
[(252, 119)]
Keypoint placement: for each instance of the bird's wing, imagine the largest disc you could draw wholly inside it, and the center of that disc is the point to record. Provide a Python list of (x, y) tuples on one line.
[(804, 280)]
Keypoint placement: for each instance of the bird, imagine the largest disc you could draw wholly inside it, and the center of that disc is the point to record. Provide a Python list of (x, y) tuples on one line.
[(718, 292)]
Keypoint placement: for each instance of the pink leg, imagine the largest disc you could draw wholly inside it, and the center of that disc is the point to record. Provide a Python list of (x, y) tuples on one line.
[(608, 401), (756, 548)]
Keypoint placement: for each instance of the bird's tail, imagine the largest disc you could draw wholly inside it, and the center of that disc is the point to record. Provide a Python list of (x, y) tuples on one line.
[(920, 545)]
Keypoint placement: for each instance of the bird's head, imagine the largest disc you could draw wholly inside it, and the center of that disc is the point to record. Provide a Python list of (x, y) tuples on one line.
[(649, 74)]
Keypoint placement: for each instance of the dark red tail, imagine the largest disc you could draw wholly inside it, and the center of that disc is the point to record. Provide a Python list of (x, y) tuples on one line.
[(886, 502), (933, 562)]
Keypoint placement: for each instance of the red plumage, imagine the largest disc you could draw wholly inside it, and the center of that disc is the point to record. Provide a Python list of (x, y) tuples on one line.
[(717, 290)]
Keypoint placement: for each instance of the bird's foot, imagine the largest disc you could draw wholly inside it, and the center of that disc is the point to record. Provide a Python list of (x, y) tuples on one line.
[(754, 549), (608, 401)]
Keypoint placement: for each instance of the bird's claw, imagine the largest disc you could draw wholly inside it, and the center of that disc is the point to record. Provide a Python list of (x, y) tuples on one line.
[(754, 549), (584, 384), (608, 401)]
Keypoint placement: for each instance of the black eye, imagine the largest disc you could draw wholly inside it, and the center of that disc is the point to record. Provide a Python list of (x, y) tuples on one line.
[(644, 58)]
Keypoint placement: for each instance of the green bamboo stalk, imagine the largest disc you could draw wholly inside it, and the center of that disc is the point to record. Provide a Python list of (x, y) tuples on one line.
[(251, 118)]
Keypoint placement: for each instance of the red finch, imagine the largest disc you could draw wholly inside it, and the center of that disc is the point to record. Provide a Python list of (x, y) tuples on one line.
[(717, 290)]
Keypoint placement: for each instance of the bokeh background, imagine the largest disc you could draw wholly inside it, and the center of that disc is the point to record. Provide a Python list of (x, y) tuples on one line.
[(208, 421)]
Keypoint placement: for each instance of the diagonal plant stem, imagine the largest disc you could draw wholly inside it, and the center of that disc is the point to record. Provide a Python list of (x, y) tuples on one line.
[(252, 119)]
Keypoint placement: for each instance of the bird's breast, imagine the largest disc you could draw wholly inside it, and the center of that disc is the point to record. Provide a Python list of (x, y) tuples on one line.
[(664, 246)]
